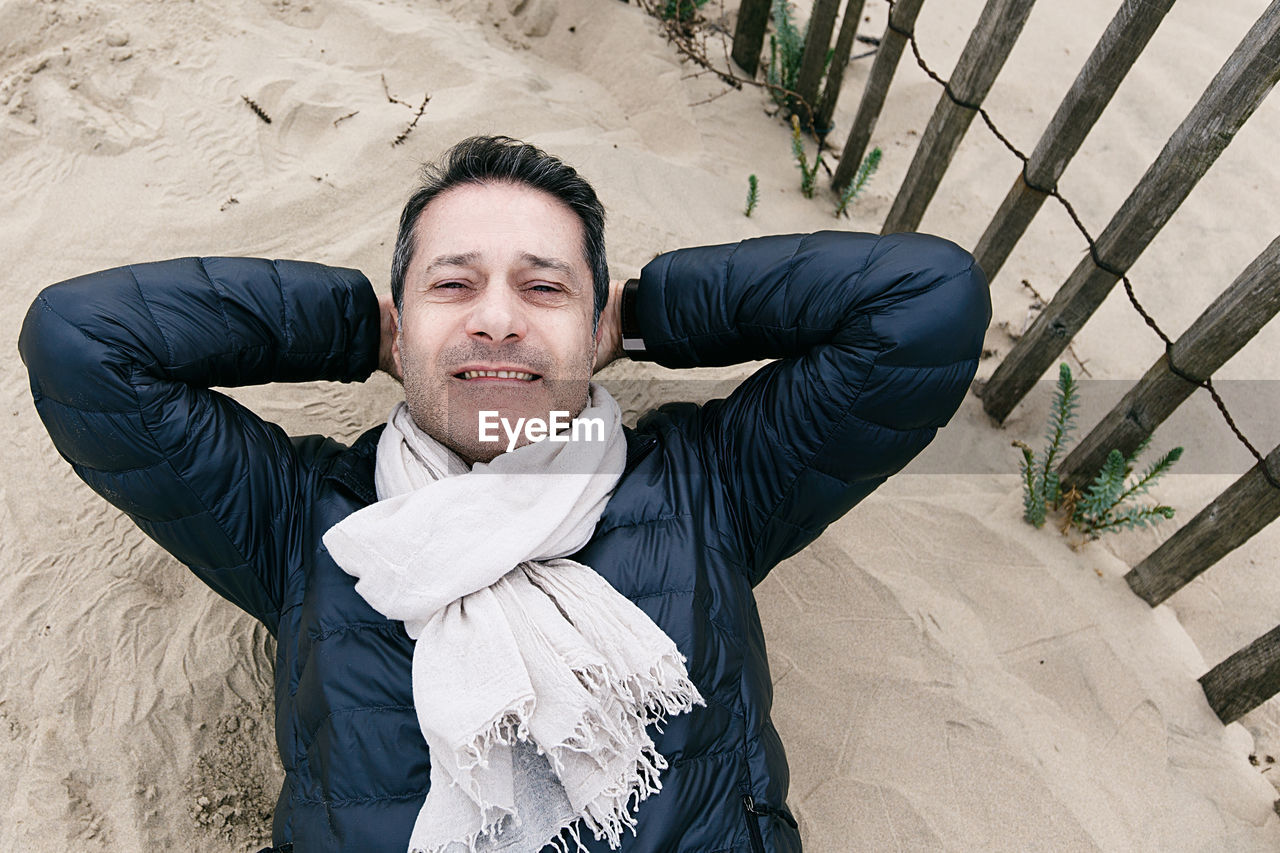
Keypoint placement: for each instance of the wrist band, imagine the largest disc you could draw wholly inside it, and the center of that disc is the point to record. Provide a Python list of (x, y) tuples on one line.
[(632, 340)]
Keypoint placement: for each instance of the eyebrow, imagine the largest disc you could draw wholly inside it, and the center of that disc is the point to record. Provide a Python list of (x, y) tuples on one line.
[(462, 260), (469, 258), (547, 263)]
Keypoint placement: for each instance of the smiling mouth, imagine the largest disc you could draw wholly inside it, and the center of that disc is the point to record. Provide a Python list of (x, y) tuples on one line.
[(497, 374)]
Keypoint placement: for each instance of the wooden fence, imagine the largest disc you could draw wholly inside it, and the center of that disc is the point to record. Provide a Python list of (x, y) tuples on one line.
[(1252, 675)]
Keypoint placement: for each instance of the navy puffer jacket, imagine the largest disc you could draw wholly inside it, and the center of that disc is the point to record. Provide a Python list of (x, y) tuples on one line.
[(876, 341)]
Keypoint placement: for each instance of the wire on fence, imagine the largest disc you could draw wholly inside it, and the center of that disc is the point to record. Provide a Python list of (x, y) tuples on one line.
[(1206, 384)]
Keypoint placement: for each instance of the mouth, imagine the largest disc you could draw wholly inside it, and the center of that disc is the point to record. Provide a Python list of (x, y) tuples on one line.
[(496, 376)]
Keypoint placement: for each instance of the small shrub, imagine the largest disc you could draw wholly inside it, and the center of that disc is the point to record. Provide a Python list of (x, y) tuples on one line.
[(808, 174), (786, 47), (1105, 506), (753, 193), (786, 54), (1040, 487), (868, 168), (683, 11)]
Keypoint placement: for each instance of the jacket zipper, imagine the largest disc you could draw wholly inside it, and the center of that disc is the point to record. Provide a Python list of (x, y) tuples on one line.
[(753, 823), (754, 812)]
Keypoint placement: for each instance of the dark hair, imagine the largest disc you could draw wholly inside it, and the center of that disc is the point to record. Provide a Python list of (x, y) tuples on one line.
[(499, 159)]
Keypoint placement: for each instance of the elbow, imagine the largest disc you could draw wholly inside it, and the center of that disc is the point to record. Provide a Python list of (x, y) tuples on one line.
[(64, 344), (964, 303), (81, 387), (45, 336), (938, 307), (929, 328)]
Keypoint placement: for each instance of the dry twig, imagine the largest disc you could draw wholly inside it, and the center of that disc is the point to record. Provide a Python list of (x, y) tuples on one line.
[(405, 133), (391, 98), (257, 110)]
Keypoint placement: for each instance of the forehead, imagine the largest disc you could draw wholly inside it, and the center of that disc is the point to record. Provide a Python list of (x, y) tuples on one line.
[(497, 222)]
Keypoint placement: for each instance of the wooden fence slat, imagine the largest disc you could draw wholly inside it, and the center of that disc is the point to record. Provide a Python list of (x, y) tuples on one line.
[(902, 18), (1235, 316), (748, 35), (984, 55), (1248, 505), (1232, 96), (1245, 680), (1111, 59), (839, 61), (817, 40)]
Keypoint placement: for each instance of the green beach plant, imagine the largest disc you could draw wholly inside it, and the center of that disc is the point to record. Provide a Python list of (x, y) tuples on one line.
[(786, 47), (753, 194), (1040, 486), (868, 168), (808, 173), (1103, 507), (786, 54), (682, 11), (1106, 505)]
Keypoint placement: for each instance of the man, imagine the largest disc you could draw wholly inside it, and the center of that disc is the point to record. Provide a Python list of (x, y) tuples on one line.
[(501, 310)]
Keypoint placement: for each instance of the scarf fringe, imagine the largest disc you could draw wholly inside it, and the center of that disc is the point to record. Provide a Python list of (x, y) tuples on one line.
[(488, 830), (611, 812), (561, 843), (605, 733), (665, 690), (509, 726)]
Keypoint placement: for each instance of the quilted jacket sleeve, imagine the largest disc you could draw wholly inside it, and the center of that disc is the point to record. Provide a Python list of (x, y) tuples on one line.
[(876, 339), (121, 363)]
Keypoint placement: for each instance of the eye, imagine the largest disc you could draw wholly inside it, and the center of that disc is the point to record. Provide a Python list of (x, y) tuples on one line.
[(544, 287), (451, 284)]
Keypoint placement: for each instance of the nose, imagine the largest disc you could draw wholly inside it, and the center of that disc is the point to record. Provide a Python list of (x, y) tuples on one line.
[(497, 314)]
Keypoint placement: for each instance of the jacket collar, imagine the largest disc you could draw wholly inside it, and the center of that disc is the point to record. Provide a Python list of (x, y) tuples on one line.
[(353, 469)]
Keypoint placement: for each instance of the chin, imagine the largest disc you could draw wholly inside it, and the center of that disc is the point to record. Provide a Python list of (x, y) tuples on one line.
[(482, 453)]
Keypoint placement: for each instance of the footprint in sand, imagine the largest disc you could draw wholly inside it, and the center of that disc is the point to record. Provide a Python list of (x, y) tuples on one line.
[(87, 822), (236, 779)]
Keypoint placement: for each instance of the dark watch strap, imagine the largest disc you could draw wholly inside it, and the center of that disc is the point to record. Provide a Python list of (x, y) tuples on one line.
[(632, 340)]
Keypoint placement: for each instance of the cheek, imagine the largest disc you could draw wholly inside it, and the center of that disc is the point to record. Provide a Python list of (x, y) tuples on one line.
[(413, 360), (417, 343), (579, 333), (578, 347)]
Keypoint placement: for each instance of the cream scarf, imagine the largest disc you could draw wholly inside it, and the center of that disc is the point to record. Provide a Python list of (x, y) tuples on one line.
[(533, 679)]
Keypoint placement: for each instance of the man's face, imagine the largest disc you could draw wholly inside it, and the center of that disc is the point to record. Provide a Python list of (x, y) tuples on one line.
[(499, 282)]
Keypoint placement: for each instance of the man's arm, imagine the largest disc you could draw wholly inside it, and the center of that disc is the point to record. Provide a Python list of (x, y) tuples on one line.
[(121, 363), (877, 341)]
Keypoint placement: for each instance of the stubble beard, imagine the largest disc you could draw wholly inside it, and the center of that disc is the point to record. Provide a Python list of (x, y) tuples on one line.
[(456, 425)]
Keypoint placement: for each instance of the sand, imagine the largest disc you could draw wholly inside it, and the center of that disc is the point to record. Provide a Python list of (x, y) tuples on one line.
[(948, 678)]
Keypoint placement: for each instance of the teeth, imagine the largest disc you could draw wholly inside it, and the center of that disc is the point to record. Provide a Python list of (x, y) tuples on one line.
[(497, 374)]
